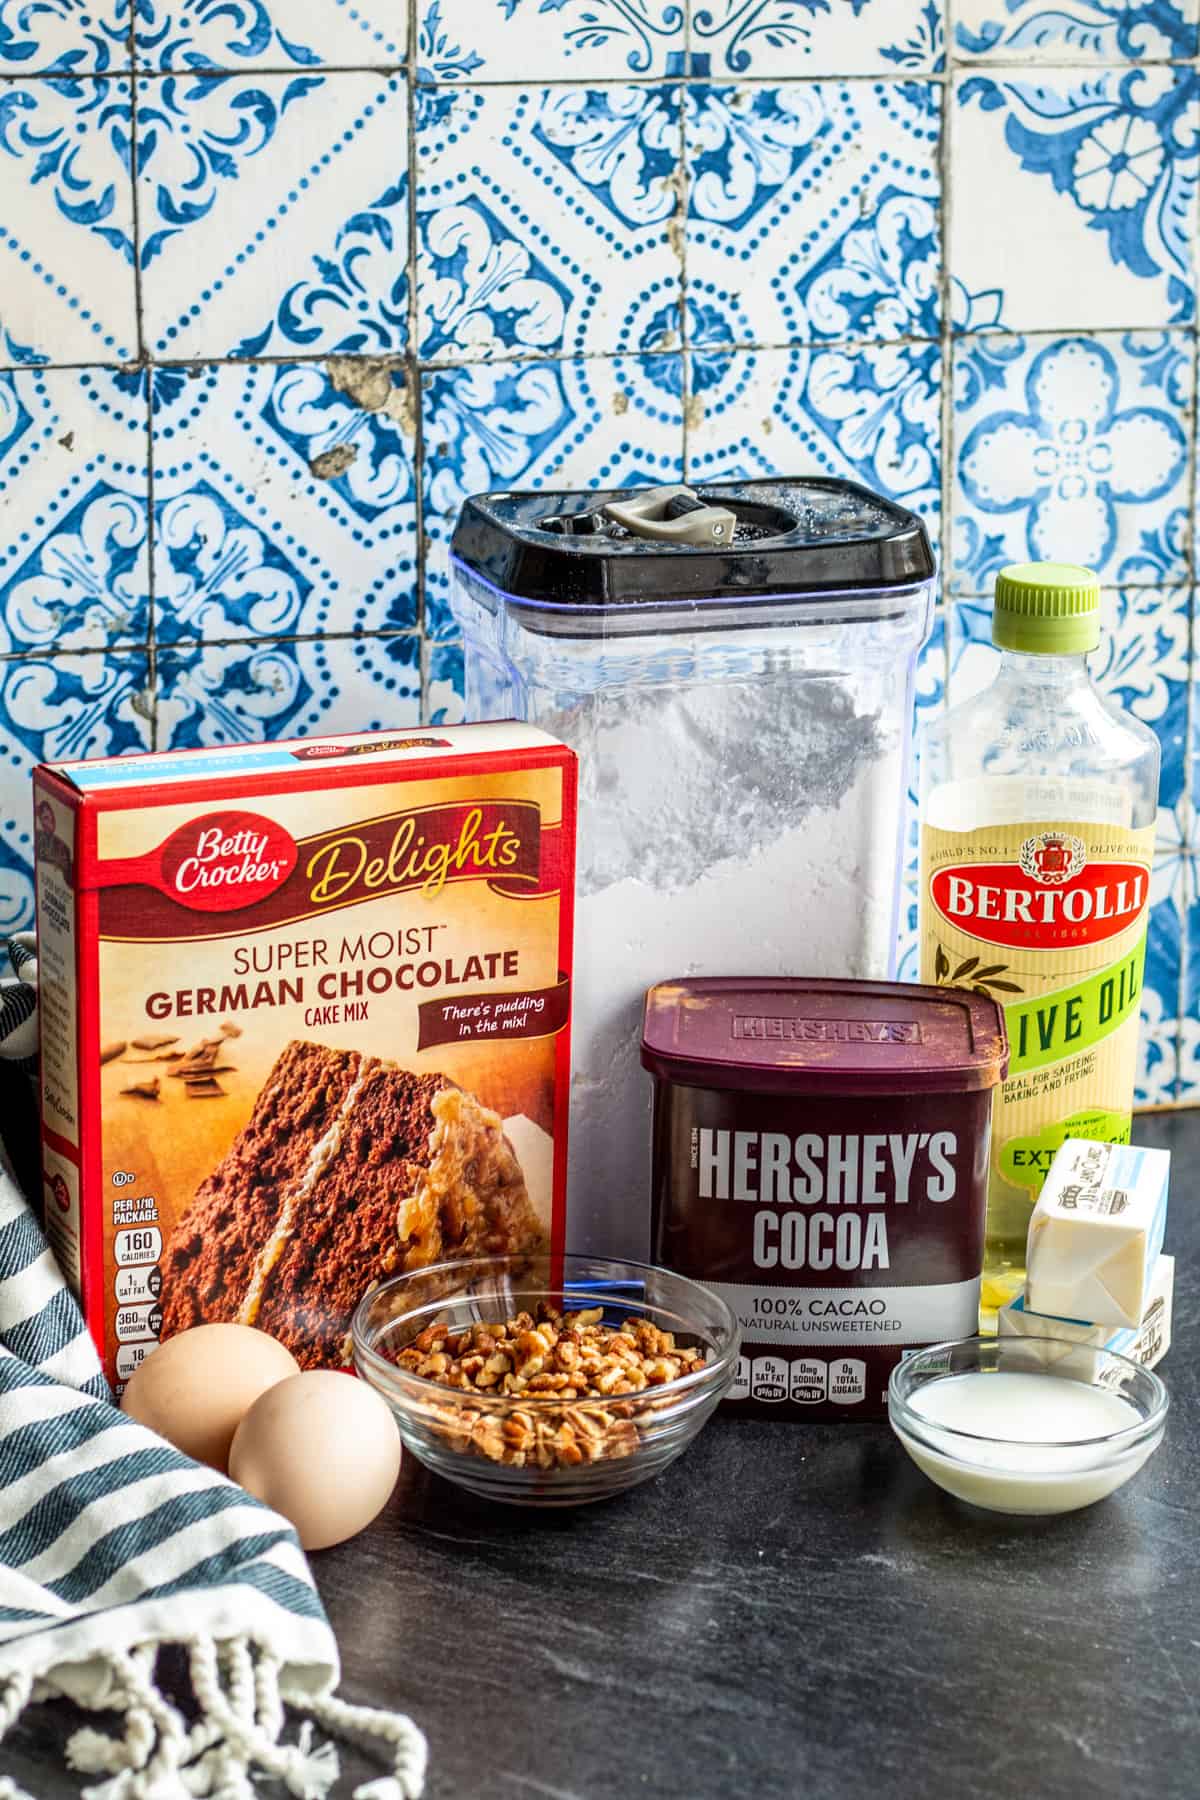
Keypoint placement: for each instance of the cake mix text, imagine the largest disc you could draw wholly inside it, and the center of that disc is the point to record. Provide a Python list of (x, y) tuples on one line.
[(318, 971)]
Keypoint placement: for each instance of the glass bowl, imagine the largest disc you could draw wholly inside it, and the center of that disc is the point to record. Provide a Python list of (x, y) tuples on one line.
[(476, 1440), (1040, 1467)]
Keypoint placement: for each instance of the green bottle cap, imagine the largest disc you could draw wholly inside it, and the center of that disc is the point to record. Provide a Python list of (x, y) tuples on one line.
[(1047, 609)]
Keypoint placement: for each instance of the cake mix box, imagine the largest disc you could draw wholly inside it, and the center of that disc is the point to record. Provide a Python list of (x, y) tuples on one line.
[(305, 1023)]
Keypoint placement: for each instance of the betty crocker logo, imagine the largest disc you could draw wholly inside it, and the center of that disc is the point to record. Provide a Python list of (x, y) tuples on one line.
[(227, 860), (230, 861)]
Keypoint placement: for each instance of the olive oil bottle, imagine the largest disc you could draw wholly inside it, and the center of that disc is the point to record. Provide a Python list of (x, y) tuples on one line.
[(1038, 800)]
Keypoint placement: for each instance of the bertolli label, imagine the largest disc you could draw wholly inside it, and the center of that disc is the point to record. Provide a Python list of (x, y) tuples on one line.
[(1051, 921), (1052, 897)]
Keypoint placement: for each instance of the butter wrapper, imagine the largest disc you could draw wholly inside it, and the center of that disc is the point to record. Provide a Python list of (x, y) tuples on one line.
[(1097, 1232), (1147, 1344)]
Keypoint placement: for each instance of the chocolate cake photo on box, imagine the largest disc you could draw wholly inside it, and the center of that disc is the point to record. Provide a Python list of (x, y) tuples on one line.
[(350, 1169)]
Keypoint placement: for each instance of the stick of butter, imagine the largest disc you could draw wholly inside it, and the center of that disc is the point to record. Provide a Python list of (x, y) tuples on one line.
[(1096, 1232), (1148, 1344)]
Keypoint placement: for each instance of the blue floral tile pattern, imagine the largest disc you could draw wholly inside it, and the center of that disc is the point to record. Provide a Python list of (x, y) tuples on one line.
[(352, 296), (1176, 868), (273, 214), (516, 40), (67, 286), (1158, 1062), (52, 706), (74, 565), (608, 422), (1144, 662), (281, 283), (67, 36), (1072, 449), (1099, 31), (445, 683), (1176, 894), (813, 37), (285, 500), (1075, 194), (252, 34), (813, 212), (1187, 1089), (542, 219), (871, 414), (259, 691), (1179, 848), (481, 40)]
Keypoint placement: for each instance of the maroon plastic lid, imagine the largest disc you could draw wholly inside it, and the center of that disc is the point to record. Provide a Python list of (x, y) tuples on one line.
[(806, 1036)]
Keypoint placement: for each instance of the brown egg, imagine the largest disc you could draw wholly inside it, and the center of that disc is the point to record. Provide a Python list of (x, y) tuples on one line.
[(323, 1450), (196, 1388)]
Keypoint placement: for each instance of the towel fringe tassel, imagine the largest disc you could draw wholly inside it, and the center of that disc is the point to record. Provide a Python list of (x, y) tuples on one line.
[(242, 1693)]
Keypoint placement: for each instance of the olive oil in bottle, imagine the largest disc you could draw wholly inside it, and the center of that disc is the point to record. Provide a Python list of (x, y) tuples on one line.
[(1038, 800)]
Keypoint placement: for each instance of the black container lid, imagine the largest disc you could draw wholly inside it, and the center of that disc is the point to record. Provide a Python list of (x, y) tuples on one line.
[(769, 539)]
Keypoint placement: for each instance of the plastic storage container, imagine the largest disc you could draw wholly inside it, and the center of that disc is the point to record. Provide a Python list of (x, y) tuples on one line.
[(820, 1161), (735, 668)]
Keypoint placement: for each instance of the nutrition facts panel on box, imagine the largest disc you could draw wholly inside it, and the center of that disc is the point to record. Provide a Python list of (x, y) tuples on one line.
[(136, 1319), (804, 1381)]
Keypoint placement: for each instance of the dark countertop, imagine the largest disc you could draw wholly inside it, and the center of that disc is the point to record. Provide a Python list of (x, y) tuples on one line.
[(788, 1611)]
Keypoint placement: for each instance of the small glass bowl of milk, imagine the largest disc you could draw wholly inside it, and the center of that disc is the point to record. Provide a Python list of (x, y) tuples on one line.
[(997, 1422)]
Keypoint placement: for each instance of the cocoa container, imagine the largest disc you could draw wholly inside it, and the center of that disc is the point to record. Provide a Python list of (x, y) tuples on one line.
[(820, 1159)]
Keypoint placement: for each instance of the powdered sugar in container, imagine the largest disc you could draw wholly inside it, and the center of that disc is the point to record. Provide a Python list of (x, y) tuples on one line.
[(735, 668)]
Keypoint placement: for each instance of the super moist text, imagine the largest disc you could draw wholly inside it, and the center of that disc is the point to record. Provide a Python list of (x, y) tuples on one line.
[(792, 1180), (306, 971)]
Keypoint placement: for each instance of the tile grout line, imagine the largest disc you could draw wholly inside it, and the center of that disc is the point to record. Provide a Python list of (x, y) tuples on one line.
[(145, 365), (1192, 704), (683, 205), (889, 77), (947, 334), (135, 647), (748, 348), (214, 73), (412, 360), (1191, 722)]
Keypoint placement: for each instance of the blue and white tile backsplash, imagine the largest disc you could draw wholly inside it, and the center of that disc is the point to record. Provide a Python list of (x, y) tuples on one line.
[(282, 280)]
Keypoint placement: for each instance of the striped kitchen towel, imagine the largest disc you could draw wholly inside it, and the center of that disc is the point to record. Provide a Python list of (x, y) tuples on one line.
[(113, 1545), (18, 1003), (20, 1147)]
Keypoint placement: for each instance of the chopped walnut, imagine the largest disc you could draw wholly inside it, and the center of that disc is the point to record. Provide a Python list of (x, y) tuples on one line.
[(558, 1356)]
